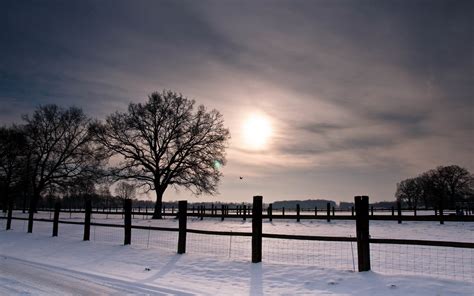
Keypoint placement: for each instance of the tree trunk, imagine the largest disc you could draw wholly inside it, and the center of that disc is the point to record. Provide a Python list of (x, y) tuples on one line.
[(32, 210), (4, 199), (6, 193), (158, 204), (25, 200)]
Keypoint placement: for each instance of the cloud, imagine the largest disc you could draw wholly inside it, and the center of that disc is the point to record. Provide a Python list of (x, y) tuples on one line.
[(382, 87)]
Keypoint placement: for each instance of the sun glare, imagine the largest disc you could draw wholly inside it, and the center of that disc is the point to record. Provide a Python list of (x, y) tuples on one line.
[(257, 131)]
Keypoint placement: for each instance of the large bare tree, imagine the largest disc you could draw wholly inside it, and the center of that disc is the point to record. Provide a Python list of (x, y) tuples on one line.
[(61, 150), (166, 142)]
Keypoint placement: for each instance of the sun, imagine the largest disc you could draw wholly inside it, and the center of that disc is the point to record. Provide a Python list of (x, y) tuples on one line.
[(257, 131)]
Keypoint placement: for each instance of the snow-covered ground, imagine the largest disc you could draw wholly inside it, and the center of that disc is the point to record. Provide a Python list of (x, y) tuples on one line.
[(221, 264)]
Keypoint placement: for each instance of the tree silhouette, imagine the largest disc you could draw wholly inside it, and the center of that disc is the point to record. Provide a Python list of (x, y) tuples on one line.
[(409, 191), (61, 151), (442, 187), (125, 190), (452, 184), (12, 154), (165, 142)]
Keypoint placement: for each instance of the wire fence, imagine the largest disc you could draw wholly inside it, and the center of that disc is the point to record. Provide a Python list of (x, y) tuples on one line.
[(148, 238), (3, 221), (386, 258), (325, 254), (109, 235), (71, 231), (440, 262), (222, 246), (17, 225)]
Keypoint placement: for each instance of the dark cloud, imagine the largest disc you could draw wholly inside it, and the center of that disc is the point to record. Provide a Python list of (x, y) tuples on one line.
[(348, 84), (320, 128)]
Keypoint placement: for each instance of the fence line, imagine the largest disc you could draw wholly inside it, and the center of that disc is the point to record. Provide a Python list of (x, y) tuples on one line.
[(244, 212), (303, 249)]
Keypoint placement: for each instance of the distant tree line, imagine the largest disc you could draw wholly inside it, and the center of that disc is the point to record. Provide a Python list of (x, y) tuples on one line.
[(60, 153), (443, 187), (305, 204)]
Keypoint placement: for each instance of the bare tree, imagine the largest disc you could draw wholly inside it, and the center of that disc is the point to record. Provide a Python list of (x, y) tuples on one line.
[(453, 184), (125, 190), (61, 149), (409, 191), (165, 142), (12, 155), (442, 187)]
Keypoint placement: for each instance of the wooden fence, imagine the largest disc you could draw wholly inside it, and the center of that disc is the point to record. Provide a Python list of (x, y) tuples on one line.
[(361, 217)]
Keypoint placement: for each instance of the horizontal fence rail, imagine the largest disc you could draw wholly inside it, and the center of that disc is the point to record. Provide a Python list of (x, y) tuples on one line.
[(422, 243)]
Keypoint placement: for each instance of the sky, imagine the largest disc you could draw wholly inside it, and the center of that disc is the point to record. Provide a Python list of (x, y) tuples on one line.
[(357, 95)]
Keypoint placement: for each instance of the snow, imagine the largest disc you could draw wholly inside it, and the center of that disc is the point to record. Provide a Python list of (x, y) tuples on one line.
[(38, 264)]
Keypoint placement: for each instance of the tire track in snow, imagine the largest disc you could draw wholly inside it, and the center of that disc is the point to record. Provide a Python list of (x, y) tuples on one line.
[(24, 277)]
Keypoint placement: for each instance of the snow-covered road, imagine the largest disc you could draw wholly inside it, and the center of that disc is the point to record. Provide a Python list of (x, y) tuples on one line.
[(21, 277)]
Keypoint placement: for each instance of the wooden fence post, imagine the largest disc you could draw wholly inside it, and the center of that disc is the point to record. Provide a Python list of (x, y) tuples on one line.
[(127, 208), (371, 210), (257, 229), (362, 230), (393, 211), (57, 209), (352, 211), (87, 220), (297, 212), (328, 210), (333, 211), (283, 211), (270, 212), (399, 210), (245, 212), (315, 211), (31, 214), (10, 214), (183, 216), (441, 212)]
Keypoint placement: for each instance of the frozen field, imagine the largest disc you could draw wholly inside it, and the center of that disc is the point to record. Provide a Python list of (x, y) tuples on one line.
[(37, 264), (436, 262)]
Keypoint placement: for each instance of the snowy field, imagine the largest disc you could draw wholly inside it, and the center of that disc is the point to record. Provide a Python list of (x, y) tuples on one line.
[(221, 264)]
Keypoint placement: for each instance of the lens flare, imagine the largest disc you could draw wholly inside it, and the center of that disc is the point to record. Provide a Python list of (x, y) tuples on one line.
[(217, 164)]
